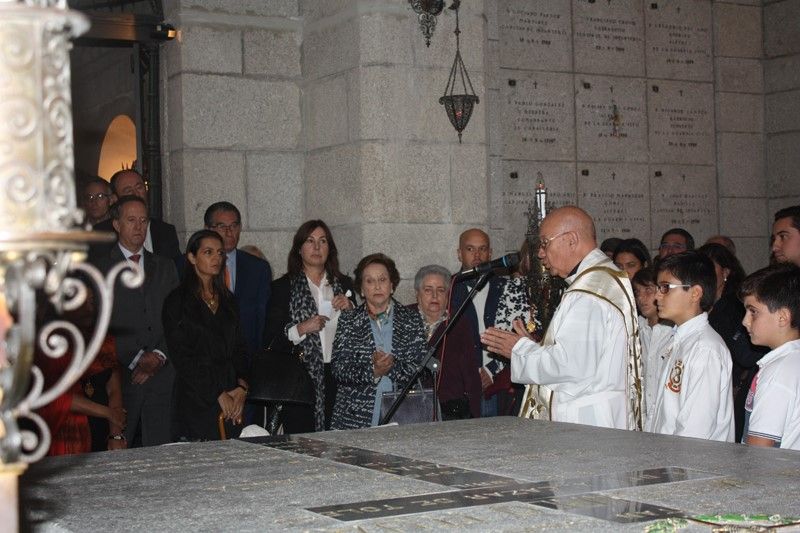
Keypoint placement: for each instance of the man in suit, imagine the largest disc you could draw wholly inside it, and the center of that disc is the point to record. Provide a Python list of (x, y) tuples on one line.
[(161, 238), (147, 375), (474, 248), (247, 276)]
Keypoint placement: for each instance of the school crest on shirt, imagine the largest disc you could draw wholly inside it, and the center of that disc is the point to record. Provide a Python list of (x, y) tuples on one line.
[(675, 376)]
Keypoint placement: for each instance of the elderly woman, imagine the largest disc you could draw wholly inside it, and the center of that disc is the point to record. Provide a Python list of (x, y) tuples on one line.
[(377, 347), (303, 315), (458, 384), (205, 342)]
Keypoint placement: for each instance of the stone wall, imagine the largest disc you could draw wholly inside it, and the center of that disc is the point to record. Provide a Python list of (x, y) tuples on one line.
[(782, 109)]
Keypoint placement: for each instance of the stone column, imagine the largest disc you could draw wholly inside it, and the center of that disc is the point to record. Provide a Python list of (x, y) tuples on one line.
[(383, 165), (232, 118)]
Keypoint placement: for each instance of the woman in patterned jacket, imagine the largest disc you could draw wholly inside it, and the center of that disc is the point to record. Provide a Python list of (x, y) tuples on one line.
[(377, 347)]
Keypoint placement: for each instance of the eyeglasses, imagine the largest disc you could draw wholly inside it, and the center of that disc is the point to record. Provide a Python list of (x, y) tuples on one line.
[(664, 288), (98, 196), (544, 243), (225, 227), (672, 245)]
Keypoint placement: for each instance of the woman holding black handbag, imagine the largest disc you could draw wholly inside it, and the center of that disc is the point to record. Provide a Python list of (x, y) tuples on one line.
[(302, 319), (205, 343)]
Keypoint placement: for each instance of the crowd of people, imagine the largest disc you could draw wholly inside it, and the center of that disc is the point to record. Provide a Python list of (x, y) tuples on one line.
[(682, 343)]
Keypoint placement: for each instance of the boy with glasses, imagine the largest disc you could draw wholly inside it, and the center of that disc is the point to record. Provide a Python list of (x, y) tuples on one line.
[(694, 395)]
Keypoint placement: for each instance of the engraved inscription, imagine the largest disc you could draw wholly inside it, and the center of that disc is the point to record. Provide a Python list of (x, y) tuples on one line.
[(679, 40), (609, 37), (684, 196), (617, 198), (681, 122), (535, 34)]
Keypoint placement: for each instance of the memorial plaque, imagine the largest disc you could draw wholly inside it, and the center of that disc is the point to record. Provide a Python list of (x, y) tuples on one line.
[(517, 191), (611, 119), (609, 37), (535, 34), (685, 197), (681, 122), (617, 197), (679, 39), (538, 116)]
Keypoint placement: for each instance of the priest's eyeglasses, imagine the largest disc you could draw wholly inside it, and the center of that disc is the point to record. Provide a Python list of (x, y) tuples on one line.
[(664, 288), (544, 243)]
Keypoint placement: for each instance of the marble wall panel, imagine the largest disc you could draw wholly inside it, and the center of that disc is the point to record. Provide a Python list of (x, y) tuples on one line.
[(681, 122), (742, 75), (683, 196), (743, 217), (752, 252), (609, 37), (737, 30), (535, 34), (782, 111), (782, 73), (618, 198), (611, 119), (783, 164), (538, 115), (678, 43), (740, 112), (740, 165), (781, 20), (516, 193)]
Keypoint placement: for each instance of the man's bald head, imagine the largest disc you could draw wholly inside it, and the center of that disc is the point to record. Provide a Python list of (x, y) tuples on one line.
[(474, 248), (568, 235)]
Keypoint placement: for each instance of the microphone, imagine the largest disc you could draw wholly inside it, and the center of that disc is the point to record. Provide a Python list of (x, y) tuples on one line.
[(507, 261)]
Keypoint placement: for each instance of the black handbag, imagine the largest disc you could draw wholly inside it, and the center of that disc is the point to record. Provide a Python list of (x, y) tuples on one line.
[(417, 407), (280, 377)]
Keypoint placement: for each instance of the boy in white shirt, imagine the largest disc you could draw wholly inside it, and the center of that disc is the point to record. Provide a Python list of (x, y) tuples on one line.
[(771, 298), (694, 396)]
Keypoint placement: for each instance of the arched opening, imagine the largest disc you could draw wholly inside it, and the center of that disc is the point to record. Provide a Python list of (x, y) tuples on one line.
[(118, 150)]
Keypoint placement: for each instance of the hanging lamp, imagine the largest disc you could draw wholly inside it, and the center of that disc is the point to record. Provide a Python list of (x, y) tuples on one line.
[(458, 106)]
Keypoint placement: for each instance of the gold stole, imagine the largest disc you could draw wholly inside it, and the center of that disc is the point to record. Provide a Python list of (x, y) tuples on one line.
[(604, 283)]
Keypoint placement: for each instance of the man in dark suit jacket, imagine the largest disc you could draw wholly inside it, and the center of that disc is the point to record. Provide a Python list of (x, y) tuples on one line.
[(161, 238), (247, 276), (147, 375), (474, 248)]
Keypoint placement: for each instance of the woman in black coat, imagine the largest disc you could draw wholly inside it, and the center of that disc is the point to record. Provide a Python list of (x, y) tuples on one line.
[(304, 310), (205, 344)]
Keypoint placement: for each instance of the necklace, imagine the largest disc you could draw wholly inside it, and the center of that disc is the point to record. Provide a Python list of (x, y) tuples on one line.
[(210, 302)]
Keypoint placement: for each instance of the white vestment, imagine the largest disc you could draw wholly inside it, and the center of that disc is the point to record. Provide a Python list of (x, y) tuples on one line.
[(656, 341), (585, 356)]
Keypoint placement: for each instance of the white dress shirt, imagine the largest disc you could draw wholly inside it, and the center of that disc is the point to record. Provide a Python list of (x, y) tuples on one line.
[(656, 341), (323, 296)]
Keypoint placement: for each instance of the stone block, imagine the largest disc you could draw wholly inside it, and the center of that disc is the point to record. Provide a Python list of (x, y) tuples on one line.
[(495, 182), (442, 51), (330, 49), (516, 192), (494, 105), (743, 217), (274, 190), (611, 118), (401, 102), (325, 104), (741, 164), (683, 196), (271, 53), (173, 121), (492, 22), (333, 185), (405, 182), (209, 50), (385, 38), (469, 191), (609, 37), (208, 177), (535, 34), (782, 73), (783, 164), (740, 112), (263, 8), (227, 112), (737, 30), (349, 240), (617, 197), (679, 40), (538, 115), (781, 20), (753, 252), (314, 11), (782, 111), (274, 244), (173, 197), (681, 122), (735, 74)]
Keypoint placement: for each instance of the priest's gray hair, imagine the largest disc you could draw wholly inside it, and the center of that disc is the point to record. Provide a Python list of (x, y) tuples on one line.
[(427, 271)]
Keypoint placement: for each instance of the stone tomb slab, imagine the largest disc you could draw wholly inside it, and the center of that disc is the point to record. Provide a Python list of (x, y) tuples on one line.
[(560, 476), (616, 195), (685, 197), (538, 115), (609, 37), (611, 118), (535, 34), (516, 193), (681, 122), (679, 39)]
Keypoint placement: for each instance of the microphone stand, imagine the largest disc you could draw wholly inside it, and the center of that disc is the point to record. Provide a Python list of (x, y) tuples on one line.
[(429, 354)]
